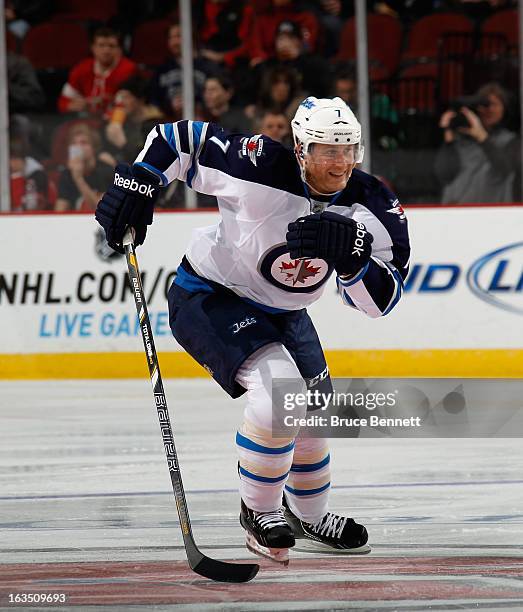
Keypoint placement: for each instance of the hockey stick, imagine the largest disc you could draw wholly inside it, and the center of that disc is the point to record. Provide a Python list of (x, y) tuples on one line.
[(198, 562)]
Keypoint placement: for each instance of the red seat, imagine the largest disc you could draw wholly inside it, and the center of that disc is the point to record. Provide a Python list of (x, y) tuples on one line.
[(421, 69), (51, 45), (450, 76), (12, 42), (80, 10), (149, 46), (493, 45), (262, 6), (504, 22), (384, 37), (426, 33), (416, 95)]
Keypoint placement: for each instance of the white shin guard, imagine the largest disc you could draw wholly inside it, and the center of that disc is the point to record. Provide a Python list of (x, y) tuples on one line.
[(264, 461)]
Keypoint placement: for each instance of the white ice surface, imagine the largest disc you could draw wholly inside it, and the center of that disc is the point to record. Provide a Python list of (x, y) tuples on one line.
[(83, 477), (83, 474)]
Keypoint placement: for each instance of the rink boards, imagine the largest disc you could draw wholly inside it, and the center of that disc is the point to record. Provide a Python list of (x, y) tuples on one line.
[(67, 311)]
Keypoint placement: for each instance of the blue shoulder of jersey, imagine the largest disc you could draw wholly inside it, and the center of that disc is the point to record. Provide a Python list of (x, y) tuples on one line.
[(253, 158), (372, 193)]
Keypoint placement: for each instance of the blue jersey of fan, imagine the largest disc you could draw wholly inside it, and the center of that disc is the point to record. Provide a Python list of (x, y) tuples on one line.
[(259, 189)]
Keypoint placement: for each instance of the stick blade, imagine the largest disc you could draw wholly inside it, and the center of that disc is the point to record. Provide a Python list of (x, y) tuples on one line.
[(225, 572)]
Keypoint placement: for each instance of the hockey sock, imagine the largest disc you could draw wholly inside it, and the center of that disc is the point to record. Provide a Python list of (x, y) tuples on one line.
[(308, 485)]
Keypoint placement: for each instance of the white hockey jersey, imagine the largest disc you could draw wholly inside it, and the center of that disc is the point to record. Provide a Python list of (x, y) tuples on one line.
[(259, 189)]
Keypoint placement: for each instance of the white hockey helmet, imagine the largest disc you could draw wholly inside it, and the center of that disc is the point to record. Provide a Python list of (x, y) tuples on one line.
[(326, 121)]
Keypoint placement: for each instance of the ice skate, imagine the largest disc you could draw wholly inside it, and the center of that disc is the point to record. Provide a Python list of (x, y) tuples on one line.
[(267, 533), (332, 534)]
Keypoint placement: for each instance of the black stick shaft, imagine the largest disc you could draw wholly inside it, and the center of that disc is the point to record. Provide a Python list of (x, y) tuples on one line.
[(161, 402), (198, 562)]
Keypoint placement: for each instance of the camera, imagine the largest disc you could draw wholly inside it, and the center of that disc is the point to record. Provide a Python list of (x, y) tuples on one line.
[(472, 102)]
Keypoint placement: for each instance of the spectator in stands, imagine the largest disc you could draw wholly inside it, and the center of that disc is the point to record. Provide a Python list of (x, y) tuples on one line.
[(279, 90), (93, 82), (331, 15), (166, 89), (291, 50), (218, 107), (131, 120), (479, 158), (82, 183), (275, 125), (224, 28), (20, 15), (344, 86), (386, 132), (24, 90), (266, 27), (29, 183)]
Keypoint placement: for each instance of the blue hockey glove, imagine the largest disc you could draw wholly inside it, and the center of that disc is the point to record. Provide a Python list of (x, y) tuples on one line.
[(129, 202), (336, 239)]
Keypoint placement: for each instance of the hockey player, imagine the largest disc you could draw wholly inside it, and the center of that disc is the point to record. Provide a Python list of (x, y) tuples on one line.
[(289, 219)]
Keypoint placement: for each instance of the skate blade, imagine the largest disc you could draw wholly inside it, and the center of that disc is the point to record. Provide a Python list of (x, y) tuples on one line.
[(278, 555), (313, 546)]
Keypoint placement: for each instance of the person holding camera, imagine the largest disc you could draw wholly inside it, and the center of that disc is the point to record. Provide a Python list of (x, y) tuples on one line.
[(479, 157)]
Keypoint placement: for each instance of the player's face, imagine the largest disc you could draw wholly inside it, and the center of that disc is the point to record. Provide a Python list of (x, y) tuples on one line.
[(328, 167)]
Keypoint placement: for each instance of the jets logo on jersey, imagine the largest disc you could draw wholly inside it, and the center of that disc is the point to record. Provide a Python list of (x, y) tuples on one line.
[(397, 209), (252, 147), (294, 275)]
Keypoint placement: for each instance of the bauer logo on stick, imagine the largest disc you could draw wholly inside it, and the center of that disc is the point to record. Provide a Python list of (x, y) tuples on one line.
[(159, 398)]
